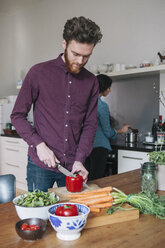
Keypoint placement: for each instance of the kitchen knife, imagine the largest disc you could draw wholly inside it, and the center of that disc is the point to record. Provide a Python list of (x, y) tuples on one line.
[(68, 173)]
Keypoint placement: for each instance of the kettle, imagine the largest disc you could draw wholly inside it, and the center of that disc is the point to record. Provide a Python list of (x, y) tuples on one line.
[(132, 136)]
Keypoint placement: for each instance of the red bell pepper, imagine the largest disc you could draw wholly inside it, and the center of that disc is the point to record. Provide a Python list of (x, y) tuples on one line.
[(75, 183), (67, 210)]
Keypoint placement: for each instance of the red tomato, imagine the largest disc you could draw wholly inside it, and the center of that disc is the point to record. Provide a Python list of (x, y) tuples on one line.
[(23, 226), (37, 227), (34, 227), (74, 184), (26, 227), (67, 210)]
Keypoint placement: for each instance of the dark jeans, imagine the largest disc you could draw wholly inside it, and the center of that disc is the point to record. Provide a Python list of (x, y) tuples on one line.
[(96, 163), (39, 178)]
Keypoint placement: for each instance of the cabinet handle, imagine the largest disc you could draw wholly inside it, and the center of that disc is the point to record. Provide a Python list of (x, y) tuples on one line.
[(13, 165), (132, 158), (13, 150), (13, 142)]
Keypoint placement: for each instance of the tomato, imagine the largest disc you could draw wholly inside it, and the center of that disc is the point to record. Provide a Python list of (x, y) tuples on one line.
[(75, 183), (23, 226), (67, 210), (37, 227), (34, 227), (26, 227)]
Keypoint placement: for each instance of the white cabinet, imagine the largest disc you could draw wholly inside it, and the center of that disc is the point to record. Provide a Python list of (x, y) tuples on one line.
[(13, 159), (131, 160)]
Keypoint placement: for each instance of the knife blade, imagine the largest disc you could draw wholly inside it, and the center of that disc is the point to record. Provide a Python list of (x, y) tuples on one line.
[(68, 173)]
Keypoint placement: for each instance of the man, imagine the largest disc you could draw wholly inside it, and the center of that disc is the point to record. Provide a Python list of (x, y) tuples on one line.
[(64, 98)]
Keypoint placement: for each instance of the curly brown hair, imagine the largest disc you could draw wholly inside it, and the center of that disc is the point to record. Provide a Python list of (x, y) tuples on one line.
[(83, 30)]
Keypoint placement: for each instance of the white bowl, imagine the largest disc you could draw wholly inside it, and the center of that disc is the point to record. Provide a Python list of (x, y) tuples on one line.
[(32, 212), (68, 228)]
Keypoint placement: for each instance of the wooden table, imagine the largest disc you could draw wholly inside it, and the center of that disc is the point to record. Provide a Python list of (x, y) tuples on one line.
[(147, 231)]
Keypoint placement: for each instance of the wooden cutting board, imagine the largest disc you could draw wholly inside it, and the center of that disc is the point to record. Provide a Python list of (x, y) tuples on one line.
[(62, 191), (100, 219)]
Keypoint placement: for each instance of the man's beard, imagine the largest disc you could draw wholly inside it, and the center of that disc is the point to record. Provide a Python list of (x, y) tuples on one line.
[(69, 65)]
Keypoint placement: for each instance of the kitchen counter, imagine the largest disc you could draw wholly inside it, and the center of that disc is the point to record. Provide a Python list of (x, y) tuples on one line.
[(116, 144), (120, 143), (147, 231), (11, 135)]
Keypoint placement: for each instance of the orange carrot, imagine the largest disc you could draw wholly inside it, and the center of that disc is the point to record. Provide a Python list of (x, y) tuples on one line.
[(93, 201), (101, 205), (86, 197), (95, 210), (100, 190)]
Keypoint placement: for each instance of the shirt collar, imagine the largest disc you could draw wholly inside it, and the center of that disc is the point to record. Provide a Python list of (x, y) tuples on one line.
[(61, 63)]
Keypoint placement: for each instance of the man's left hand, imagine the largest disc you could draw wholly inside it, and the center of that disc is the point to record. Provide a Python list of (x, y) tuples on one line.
[(78, 167)]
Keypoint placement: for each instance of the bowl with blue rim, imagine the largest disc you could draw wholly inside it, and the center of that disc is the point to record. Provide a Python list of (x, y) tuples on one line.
[(69, 227)]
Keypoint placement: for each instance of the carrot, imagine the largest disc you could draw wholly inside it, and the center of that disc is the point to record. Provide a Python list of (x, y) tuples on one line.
[(93, 201), (101, 205), (95, 210), (100, 190), (86, 197)]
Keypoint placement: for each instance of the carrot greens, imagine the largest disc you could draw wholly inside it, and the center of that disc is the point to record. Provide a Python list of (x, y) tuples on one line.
[(147, 204)]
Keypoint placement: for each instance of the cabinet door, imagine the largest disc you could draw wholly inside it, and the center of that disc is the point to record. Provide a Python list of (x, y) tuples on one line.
[(130, 160), (14, 159), (14, 153), (13, 142)]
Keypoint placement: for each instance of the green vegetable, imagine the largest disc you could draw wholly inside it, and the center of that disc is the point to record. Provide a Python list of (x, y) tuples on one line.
[(37, 198), (157, 157), (147, 204)]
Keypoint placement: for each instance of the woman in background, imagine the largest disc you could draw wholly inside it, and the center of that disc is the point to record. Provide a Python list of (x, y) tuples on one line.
[(96, 162)]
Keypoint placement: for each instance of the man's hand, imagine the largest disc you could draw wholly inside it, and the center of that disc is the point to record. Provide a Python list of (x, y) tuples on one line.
[(46, 155), (78, 167)]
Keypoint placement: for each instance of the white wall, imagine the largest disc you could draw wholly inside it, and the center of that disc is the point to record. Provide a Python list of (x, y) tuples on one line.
[(31, 31)]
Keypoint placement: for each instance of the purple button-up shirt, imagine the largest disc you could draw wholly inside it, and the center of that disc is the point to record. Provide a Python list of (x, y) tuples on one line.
[(64, 110)]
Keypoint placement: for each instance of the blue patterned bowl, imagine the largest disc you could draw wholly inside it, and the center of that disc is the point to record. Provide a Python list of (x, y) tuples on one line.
[(68, 228)]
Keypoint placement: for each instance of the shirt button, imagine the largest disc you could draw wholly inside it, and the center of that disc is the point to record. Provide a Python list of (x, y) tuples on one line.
[(70, 82), (66, 140), (31, 146), (68, 96), (67, 112), (64, 154), (66, 125)]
